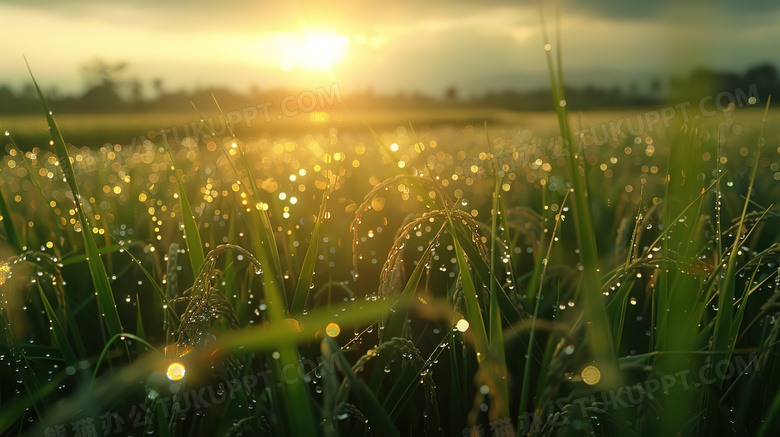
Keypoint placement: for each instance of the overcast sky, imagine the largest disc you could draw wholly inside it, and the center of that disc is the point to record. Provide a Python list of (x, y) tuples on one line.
[(386, 45)]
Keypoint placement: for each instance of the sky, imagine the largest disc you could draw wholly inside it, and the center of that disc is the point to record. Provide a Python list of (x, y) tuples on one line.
[(387, 46)]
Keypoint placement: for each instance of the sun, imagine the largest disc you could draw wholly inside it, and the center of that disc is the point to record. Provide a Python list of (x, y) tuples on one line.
[(313, 51)]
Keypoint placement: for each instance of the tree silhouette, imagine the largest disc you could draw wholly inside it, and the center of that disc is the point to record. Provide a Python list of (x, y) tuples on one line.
[(157, 84), (451, 95), (655, 87), (136, 90), (103, 80), (764, 77), (101, 73)]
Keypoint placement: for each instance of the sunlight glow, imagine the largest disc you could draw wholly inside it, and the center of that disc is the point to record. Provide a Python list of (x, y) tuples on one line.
[(313, 51)]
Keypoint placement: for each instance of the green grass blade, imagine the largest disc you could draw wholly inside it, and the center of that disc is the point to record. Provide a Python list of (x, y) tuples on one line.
[(303, 286), (96, 268), (295, 399), (257, 338), (771, 426), (58, 332), (77, 258), (295, 396), (724, 338), (617, 309), (525, 389), (162, 423), (120, 336), (473, 311), (139, 325), (191, 234), (497, 353), (598, 334), (160, 293), (8, 224), (508, 310), (75, 334)]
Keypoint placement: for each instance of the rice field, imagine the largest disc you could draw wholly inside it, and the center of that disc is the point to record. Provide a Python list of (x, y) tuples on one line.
[(465, 273)]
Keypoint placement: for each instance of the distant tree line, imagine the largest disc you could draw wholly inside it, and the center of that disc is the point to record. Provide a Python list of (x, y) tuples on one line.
[(762, 79), (108, 89)]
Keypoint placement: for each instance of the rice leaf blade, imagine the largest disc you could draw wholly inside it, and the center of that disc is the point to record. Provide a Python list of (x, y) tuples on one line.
[(191, 234), (301, 295), (96, 268), (58, 332)]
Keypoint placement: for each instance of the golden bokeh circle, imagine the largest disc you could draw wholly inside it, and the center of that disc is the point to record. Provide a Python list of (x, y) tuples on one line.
[(176, 371), (591, 375), (333, 330)]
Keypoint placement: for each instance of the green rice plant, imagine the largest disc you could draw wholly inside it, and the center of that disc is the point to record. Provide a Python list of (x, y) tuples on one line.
[(725, 333), (526, 384), (599, 335), (377, 417), (264, 241), (292, 396)]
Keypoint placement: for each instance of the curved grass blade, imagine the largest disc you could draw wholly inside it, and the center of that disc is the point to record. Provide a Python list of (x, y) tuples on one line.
[(381, 423), (281, 332), (122, 336), (73, 259), (617, 309), (96, 268), (111, 387), (160, 293), (75, 333)]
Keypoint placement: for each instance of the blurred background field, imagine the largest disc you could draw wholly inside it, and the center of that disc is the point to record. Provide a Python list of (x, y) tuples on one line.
[(95, 130)]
